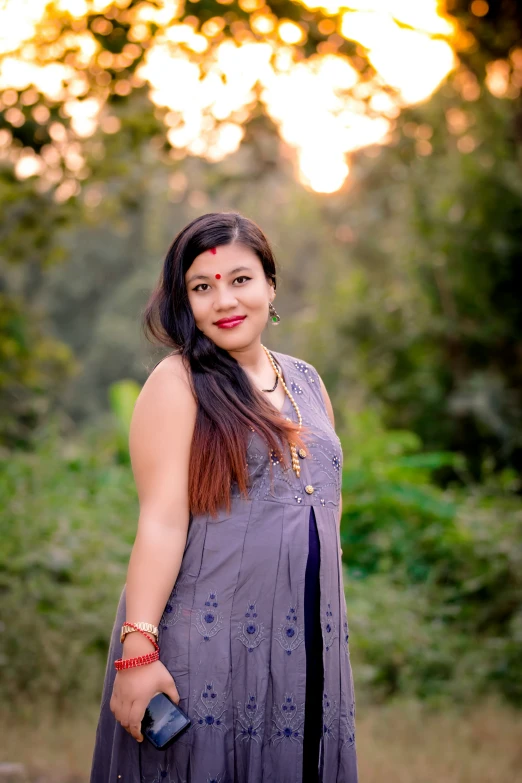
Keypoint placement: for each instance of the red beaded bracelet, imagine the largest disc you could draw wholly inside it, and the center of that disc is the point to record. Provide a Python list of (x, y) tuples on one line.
[(140, 660)]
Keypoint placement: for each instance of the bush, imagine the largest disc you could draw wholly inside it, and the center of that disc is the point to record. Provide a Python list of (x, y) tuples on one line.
[(69, 515), (434, 578)]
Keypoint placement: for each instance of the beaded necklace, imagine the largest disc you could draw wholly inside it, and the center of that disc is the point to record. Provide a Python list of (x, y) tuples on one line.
[(293, 449)]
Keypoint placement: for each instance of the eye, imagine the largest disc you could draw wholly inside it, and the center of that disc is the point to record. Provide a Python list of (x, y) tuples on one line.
[(241, 277)]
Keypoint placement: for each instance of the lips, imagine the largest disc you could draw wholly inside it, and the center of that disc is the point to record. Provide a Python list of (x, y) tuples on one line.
[(234, 319)]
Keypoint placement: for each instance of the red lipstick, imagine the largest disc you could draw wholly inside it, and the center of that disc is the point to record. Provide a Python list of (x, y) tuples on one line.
[(228, 323)]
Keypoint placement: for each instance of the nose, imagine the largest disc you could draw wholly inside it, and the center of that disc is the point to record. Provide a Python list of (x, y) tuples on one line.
[(225, 298)]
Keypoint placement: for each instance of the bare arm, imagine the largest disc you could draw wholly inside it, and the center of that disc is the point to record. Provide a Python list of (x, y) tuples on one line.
[(329, 409), (160, 439)]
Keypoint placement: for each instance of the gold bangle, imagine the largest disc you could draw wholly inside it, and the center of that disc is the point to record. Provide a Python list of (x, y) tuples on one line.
[(147, 627)]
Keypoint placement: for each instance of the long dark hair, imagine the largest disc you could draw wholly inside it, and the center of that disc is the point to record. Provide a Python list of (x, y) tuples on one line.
[(229, 406)]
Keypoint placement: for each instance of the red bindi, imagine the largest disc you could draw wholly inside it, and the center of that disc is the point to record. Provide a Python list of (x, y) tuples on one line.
[(218, 276), (213, 251)]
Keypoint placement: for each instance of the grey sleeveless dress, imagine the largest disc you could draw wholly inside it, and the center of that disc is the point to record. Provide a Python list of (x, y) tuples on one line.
[(233, 630)]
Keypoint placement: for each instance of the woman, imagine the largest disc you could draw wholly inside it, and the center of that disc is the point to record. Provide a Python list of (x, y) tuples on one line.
[(236, 558)]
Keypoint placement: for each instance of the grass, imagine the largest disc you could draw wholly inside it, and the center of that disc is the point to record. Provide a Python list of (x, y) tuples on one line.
[(401, 742), (406, 743)]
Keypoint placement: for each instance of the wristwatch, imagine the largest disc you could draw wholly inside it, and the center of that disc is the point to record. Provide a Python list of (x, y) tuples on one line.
[(147, 627)]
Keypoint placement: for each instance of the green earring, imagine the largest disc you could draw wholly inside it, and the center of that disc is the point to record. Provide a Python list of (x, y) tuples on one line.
[(274, 317)]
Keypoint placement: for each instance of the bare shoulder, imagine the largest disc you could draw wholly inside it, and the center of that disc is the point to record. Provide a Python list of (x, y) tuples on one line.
[(161, 433), (172, 364), (167, 392)]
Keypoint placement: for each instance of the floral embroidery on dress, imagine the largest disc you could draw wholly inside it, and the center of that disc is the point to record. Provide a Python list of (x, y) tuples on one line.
[(288, 719), (329, 715), (290, 633), (213, 779), (296, 389), (346, 636), (210, 709), (250, 720), (329, 628), (208, 619), (305, 369), (350, 726), (250, 632), (328, 462), (162, 775), (274, 457), (171, 615)]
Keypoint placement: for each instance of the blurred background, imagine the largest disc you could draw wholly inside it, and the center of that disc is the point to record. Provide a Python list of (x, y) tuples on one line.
[(378, 144)]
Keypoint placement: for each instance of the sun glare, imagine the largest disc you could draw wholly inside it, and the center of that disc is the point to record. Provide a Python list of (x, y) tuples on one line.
[(208, 88)]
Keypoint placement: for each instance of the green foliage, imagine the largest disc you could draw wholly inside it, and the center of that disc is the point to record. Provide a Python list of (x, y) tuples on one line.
[(495, 34), (434, 578), (392, 514), (33, 370), (122, 398), (68, 519), (423, 321), (34, 365), (30, 225)]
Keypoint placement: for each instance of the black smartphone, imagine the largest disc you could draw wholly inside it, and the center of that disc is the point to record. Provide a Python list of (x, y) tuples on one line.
[(163, 721)]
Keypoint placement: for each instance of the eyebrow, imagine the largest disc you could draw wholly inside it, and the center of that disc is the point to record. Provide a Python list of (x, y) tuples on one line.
[(232, 272)]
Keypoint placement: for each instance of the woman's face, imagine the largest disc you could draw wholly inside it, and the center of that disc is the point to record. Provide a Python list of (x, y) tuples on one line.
[(241, 290)]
